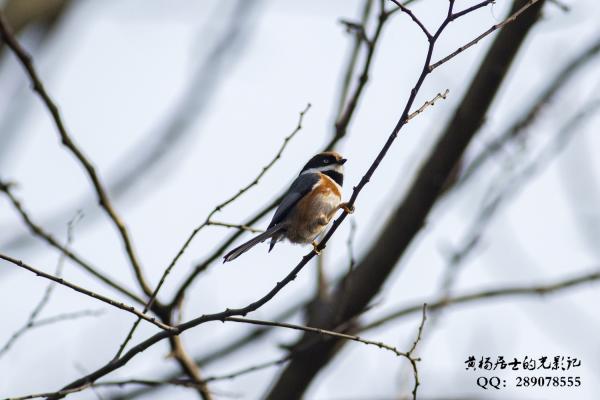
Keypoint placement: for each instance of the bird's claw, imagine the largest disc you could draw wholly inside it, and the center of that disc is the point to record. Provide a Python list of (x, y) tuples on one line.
[(315, 246), (347, 207)]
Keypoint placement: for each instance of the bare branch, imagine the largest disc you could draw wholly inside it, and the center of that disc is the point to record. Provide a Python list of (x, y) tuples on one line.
[(31, 320), (414, 18), (189, 367), (360, 36), (240, 227), (117, 363), (105, 203), (505, 292), (531, 114), (319, 331), (38, 231), (84, 382), (89, 293), (473, 42), (339, 335), (428, 103), (413, 360), (411, 213), (349, 104), (38, 323), (188, 281)]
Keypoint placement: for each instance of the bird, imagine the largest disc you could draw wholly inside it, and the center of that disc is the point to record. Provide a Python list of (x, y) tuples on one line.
[(307, 207)]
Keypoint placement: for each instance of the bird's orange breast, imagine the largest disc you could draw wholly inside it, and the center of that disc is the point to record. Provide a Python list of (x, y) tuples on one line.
[(314, 211)]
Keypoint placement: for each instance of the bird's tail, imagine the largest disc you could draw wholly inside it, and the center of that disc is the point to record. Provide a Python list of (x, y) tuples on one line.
[(238, 251)]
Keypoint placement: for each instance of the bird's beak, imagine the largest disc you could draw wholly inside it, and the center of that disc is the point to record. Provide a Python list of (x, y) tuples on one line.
[(342, 161)]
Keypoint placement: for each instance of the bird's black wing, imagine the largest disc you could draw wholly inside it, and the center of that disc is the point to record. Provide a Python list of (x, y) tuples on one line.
[(299, 188)]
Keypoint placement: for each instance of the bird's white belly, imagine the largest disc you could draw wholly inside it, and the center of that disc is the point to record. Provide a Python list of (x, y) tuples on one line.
[(312, 217)]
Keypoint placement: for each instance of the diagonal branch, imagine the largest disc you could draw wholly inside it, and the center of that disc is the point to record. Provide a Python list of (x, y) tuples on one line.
[(340, 335), (188, 281), (26, 60), (87, 292), (87, 380), (493, 28), (38, 323), (416, 20), (37, 230), (555, 84), (359, 299), (340, 129), (408, 218)]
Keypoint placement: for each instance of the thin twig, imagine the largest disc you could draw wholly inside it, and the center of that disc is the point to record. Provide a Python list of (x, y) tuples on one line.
[(508, 291), (218, 208), (517, 129), (188, 281), (27, 62), (414, 18), (411, 359), (359, 37), (428, 103), (351, 103), (87, 292), (282, 385), (117, 363), (341, 127), (473, 42), (38, 231), (189, 383), (241, 227), (85, 381), (31, 320), (320, 331), (288, 357), (38, 323)]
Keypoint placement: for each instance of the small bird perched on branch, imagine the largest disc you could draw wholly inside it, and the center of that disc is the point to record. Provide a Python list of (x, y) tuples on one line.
[(307, 207)]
